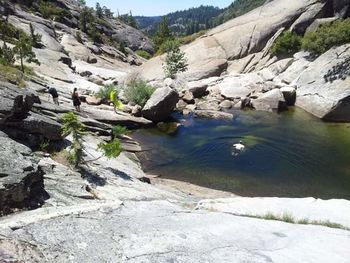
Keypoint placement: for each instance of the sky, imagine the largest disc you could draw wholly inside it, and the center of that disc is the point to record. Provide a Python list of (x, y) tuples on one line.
[(155, 7)]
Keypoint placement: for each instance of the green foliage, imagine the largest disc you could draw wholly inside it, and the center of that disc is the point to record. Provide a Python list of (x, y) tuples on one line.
[(99, 11), (327, 36), (79, 37), (12, 75), (129, 20), (24, 52), (50, 10), (163, 34), (138, 92), (144, 54), (188, 39), (8, 31), (7, 55), (86, 18), (35, 38), (113, 97), (118, 131), (286, 45), (105, 91), (82, 2), (121, 48), (111, 149), (237, 8), (71, 125), (175, 61), (44, 145)]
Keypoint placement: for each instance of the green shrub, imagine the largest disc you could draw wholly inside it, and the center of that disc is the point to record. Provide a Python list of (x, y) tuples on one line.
[(51, 11), (111, 149), (286, 45), (327, 36), (71, 125), (79, 37), (105, 92), (118, 131), (175, 61), (143, 54), (138, 92)]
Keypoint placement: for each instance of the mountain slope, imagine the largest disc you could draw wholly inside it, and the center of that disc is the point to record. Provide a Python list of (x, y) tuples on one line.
[(185, 22)]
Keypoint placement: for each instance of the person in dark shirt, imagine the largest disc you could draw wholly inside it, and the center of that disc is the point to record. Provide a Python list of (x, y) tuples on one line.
[(53, 92), (76, 99)]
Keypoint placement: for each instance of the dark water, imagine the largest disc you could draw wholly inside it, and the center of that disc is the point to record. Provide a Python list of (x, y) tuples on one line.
[(287, 155)]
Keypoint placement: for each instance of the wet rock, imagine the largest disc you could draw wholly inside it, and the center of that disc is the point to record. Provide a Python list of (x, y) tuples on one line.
[(168, 127), (210, 114), (161, 104)]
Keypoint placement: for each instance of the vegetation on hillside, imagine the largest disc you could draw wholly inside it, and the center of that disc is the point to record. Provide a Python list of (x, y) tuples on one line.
[(17, 45), (194, 20), (175, 60), (138, 92), (236, 9), (185, 22), (317, 42)]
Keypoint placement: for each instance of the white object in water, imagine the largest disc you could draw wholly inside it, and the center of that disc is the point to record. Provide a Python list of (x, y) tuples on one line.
[(239, 146)]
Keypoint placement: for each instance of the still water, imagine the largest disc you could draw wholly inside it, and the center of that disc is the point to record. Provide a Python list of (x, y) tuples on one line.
[(291, 154)]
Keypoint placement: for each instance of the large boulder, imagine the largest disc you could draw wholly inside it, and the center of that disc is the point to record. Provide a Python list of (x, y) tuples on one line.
[(14, 102), (21, 181), (161, 104), (272, 100), (323, 88)]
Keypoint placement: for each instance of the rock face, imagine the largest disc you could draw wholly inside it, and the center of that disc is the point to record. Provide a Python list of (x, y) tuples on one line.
[(209, 55), (323, 88), (21, 180), (18, 120), (161, 104), (270, 101)]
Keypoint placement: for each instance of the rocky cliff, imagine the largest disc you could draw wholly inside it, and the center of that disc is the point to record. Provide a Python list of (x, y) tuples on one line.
[(237, 54)]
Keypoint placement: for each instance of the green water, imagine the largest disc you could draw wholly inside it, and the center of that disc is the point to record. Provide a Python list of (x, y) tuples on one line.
[(291, 154)]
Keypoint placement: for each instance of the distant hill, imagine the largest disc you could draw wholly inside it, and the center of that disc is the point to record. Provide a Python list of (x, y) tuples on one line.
[(193, 20), (185, 22), (237, 8)]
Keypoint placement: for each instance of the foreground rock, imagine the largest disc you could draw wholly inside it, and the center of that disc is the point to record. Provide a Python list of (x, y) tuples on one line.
[(21, 180), (161, 231), (161, 104)]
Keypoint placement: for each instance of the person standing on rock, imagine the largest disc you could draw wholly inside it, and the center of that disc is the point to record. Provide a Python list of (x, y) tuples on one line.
[(53, 92), (76, 100)]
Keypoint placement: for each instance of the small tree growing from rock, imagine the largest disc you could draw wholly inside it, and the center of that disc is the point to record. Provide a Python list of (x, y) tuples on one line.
[(36, 38), (24, 50), (175, 61), (71, 125)]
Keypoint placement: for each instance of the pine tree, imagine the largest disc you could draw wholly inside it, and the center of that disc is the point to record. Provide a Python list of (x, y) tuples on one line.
[(99, 11), (24, 51), (71, 125), (7, 56), (175, 60), (36, 38), (163, 34)]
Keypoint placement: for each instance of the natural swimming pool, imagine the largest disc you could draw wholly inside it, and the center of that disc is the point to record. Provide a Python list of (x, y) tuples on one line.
[(291, 154)]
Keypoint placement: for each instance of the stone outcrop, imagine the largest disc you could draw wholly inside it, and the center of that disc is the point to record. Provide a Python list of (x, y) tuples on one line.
[(323, 88), (161, 104), (21, 180)]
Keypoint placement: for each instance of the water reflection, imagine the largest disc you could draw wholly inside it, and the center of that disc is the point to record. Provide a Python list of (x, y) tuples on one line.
[(291, 154)]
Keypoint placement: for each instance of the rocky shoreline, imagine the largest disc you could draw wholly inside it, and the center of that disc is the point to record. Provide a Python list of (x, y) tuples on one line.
[(110, 210)]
